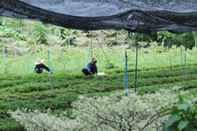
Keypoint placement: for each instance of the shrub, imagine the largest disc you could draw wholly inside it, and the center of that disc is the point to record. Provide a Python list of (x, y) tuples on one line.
[(112, 113), (183, 117)]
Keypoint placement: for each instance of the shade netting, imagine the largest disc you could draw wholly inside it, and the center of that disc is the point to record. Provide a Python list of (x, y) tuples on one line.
[(133, 15)]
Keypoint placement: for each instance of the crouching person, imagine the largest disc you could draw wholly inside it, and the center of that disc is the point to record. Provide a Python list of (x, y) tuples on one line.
[(40, 67), (91, 68)]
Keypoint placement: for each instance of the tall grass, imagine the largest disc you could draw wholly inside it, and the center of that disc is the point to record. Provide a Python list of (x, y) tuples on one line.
[(72, 59)]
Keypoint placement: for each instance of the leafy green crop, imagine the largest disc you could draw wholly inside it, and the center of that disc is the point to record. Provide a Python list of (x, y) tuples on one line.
[(183, 117)]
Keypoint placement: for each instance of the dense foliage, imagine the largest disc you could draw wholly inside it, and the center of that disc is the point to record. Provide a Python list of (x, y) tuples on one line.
[(118, 113), (112, 113), (183, 116), (38, 33)]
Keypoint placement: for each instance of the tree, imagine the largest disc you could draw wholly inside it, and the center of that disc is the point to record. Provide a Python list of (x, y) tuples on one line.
[(178, 39), (40, 34)]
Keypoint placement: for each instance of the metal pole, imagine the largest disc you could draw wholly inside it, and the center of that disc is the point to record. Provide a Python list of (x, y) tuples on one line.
[(49, 64), (170, 59), (185, 60), (91, 45), (4, 60), (126, 80), (183, 63), (195, 39), (136, 61), (64, 59), (185, 56), (136, 67), (49, 57), (181, 55)]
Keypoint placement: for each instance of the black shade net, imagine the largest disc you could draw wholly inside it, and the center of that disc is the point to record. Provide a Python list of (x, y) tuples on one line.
[(132, 15)]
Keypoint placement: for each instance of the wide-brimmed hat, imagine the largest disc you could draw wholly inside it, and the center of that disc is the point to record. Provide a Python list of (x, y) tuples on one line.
[(39, 61)]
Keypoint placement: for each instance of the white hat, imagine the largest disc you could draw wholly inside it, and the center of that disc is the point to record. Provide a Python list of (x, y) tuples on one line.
[(39, 61)]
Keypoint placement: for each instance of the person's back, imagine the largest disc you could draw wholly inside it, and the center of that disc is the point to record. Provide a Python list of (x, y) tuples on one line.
[(40, 67), (91, 68)]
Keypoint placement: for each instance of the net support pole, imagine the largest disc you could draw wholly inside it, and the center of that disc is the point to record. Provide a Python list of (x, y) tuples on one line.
[(195, 38), (170, 59), (183, 62), (126, 80), (91, 45), (64, 59), (183, 56), (4, 60), (136, 67), (15, 53), (49, 64), (136, 61), (49, 57)]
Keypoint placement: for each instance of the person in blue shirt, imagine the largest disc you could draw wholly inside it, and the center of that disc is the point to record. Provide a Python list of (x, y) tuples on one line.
[(91, 68)]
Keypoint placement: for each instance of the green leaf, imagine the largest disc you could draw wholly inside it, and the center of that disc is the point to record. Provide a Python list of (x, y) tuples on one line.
[(169, 129), (184, 106), (183, 124), (172, 120), (190, 128)]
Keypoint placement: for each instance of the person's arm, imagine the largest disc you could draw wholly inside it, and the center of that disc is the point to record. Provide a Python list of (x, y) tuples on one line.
[(36, 68), (46, 68), (89, 68), (96, 69)]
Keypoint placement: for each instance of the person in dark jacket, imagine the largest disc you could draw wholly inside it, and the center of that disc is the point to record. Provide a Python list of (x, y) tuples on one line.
[(91, 68), (40, 67)]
